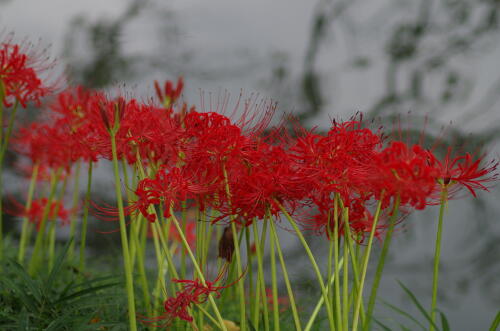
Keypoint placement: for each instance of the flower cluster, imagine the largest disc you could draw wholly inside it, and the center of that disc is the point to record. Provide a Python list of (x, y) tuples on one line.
[(241, 170)]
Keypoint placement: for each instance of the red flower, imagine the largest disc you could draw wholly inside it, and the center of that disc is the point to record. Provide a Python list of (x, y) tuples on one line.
[(193, 292), (457, 172), (169, 95), (35, 213), (19, 74), (405, 171)]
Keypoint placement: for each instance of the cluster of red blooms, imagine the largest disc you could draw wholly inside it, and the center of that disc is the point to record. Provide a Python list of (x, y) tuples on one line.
[(241, 170)]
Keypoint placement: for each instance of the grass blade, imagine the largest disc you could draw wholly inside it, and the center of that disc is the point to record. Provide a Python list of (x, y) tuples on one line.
[(382, 325), (405, 314), (444, 322), (495, 323), (418, 305), (56, 269)]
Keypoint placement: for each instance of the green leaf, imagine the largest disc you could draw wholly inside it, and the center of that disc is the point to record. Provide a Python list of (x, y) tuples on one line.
[(27, 300), (85, 291), (383, 326), (56, 269), (24, 320), (27, 280), (418, 305), (402, 312), (495, 323), (444, 322)]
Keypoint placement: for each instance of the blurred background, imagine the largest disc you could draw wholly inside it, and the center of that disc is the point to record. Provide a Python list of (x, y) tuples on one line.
[(427, 62)]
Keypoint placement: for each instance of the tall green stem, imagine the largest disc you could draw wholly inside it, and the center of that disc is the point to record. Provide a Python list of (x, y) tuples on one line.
[(261, 284), (35, 258), (24, 232), (52, 230), (123, 234), (274, 286), (4, 142), (345, 276), (72, 221), (338, 313), (381, 264), (295, 314), (83, 231), (321, 300), (197, 268), (437, 255), (366, 258), (314, 264), (241, 289)]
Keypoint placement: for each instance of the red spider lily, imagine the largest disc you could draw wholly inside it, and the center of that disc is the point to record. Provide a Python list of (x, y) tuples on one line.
[(19, 74), (405, 171), (266, 175), (194, 292), (35, 213), (170, 188), (169, 95), (457, 172), (50, 146)]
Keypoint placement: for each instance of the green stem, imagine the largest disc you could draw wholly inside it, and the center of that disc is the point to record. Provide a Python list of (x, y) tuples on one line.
[(366, 258), (381, 264), (261, 285), (35, 258), (345, 276), (321, 300), (83, 231), (24, 233), (295, 314), (4, 142), (123, 234), (197, 268), (338, 313), (251, 284), (437, 255), (241, 289), (314, 264), (72, 224), (274, 285), (52, 230)]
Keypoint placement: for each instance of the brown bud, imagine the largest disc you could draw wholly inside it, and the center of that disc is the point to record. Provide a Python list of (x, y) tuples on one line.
[(226, 244)]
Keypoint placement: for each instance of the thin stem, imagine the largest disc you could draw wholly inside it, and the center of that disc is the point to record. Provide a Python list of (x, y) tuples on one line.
[(295, 314), (123, 234), (261, 284), (345, 276), (72, 222), (313, 262), (241, 289), (83, 230), (366, 258), (321, 300), (24, 233), (52, 230), (196, 267), (4, 142), (437, 255), (35, 258), (381, 264), (274, 285), (338, 313)]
